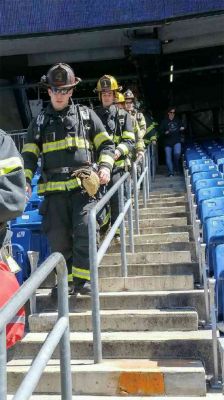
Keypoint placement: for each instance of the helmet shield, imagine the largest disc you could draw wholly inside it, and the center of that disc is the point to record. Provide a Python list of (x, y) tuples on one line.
[(60, 76)]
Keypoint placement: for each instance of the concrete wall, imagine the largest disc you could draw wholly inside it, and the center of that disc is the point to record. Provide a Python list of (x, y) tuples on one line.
[(9, 114)]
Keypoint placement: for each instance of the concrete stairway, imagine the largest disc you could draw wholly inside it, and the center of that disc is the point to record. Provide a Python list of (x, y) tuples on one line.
[(152, 340)]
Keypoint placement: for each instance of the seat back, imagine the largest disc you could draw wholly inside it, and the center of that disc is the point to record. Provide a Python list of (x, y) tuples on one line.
[(219, 268), (202, 168), (212, 208)]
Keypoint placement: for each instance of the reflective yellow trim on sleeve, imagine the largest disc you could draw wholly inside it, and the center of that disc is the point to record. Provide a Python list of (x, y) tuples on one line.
[(128, 135), (60, 186), (124, 149), (105, 158), (81, 273), (64, 144), (120, 163), (31, 148), (10, 164), (28, 173), (100, 138), (70, 278), (150, 128)]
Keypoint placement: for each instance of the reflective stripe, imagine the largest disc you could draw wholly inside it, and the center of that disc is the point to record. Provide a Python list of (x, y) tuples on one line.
[(124, 149), (105, 158), (81, 273), (18, 319), (150, 128), (31, 148), (9, 164), (58, 145), (28, 173), (120, 163), (59, 186), (100, 138), (128, 135), (106, 219), (70, 278)]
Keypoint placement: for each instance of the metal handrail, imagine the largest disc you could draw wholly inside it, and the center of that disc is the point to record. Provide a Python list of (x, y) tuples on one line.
[(59, 334), (95, 256)]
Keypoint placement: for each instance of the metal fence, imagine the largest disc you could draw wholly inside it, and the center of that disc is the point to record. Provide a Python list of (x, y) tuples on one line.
[(96, 254), (58, 335), (18, 138)]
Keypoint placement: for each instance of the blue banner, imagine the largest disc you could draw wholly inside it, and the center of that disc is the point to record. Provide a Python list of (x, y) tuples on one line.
[(22, 17)]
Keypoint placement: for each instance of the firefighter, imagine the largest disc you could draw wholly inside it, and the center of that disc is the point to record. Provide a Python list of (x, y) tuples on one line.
[(12, 183), (12, 203), (118, 124), (69, 138), (151, 130)]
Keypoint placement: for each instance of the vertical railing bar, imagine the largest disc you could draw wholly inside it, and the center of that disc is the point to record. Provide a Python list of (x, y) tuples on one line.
[(136, 204), (65, 350), (97, 342), (122, 232), (33, 259), (130, 219), (3, 360)]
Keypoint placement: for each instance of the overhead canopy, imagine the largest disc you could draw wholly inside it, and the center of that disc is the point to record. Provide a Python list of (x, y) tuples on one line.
[(47, 16)]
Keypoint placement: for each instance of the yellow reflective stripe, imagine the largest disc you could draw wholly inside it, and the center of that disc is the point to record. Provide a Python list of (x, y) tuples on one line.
[(31, 148), (124, 149), (64, 144), (28, 173), (105, 158), (59, 186), (81, 273), (120, 163), (70, 278), (100, 138), (106, 219), (150, 128), (128, 135), (9, 164)]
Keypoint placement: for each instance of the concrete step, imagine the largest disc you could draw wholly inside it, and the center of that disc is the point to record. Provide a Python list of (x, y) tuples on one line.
[(196, 345), (107, 271), (160, 215), (129, 301), (164, 203), (168, 186), (166, 282), (170, 237), (209, 396), (122, 320), (163, 210), (167, 229), (118, 377), (163, 221), (168, 190), (169, 195), (154, 257), (154, 247)]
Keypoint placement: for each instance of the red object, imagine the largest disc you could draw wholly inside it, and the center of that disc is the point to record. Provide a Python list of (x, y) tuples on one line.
[(9, 286)]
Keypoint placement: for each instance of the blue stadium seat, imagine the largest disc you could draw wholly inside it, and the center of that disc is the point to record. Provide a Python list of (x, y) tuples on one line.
[(34, 201), (202, 168), (213, 234), (204, 175), (212, 208), (200, 161), (219, 267), (207, 183), (206, 194)]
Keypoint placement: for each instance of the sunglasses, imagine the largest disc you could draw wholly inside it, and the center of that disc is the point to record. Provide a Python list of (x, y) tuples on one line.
[(56, 90)]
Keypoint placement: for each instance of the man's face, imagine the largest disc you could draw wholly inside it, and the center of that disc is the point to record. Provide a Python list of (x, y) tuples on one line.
[(59, 97), (107, 98), (129, 105), (120, 105), (171, 114)]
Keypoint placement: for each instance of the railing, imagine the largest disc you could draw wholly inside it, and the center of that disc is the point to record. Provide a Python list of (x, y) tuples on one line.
[(18, 138), (96, 256), (59, 333)]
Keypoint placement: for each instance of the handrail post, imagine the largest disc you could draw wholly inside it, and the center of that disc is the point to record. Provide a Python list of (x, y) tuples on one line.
[(145, 161), (3, 361), (214, 333), (135, 188), (65, 351), (149, 168), (153, 163), (122, 232), (93, 259), (130, 218), (144, 190), (33, 259)]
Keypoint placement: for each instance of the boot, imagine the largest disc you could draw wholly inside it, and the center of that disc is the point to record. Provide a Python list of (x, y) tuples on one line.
[(82, 287)]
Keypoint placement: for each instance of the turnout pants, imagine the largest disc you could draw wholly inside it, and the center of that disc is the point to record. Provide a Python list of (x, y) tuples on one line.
[(114, 201), (65, 222)]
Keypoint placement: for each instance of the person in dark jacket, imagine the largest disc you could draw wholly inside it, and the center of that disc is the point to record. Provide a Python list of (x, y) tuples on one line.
[(68, 137), (12, 183), (171, 129)]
